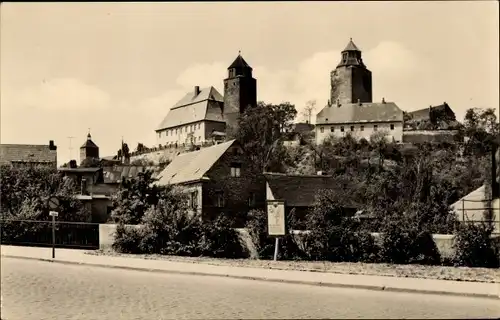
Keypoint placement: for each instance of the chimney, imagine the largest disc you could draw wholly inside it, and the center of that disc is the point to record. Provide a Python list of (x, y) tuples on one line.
[(383, 100), (338, 103), (52, 146), (72, 164), (83, 186), (359, 102), (196, 91)]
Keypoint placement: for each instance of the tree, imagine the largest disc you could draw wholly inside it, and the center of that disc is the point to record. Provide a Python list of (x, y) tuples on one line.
[(309, 109), (90, 163), (136, 196), (261, 132), (141, 148)]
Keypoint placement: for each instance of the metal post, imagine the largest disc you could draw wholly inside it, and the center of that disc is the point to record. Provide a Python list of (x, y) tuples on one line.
[(463, 210), (276, 245), (53, 237)]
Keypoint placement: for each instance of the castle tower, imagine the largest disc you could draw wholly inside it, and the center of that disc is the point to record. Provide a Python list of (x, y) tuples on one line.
[(351, 81), (240, 91), (89, 149)]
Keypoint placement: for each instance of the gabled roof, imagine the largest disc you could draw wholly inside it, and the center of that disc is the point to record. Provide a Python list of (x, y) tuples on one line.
[(117, 173), (207, 105), (355, 113), (298, 190), (27, 153), (425, 112), (239, 62), (89, 143), (192, 166), (351, 46)]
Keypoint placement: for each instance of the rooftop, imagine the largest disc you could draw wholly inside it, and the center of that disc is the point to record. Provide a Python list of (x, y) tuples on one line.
[(27, 153), (360, 113)]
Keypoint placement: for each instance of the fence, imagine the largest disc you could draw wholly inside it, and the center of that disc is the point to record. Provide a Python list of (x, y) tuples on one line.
[(473, 211), (74, 235)]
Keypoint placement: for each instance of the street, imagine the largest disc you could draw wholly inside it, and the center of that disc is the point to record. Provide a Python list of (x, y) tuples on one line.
[(43, 290)]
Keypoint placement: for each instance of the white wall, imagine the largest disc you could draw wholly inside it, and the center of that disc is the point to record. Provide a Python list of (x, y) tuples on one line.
[(368, 130), (169, 136)]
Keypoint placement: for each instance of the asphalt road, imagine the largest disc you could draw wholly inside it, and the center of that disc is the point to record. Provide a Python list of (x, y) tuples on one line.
[(42, 290)]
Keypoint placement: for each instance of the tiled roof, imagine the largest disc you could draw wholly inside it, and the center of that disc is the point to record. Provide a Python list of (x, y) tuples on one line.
[(298, 190), (207, 105), (192, 166), (425, 112), (355, 113), (351, 47), (89, 143), (27, 153), (117, 173), (239, 62)]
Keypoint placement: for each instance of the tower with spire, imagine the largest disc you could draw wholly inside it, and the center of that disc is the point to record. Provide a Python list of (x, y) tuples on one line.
[(351, 81), (89, 149), (240, 91)]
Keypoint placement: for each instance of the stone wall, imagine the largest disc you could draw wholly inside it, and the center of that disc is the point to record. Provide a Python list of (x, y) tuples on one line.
[(421, 136)]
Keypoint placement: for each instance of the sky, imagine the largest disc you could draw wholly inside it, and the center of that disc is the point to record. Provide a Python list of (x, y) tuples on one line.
[(117, 68)]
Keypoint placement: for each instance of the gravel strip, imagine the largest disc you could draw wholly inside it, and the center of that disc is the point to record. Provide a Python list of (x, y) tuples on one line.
[(377, 269)]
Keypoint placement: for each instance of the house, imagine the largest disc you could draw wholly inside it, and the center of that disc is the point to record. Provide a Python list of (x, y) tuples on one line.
[(298, 133), (29, 155), (350, 109), (203, 114), (360, 120), (433, 114), (299, 192), (219, 180)]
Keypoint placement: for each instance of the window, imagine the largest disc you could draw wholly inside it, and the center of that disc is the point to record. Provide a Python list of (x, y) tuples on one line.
[(375, 127), (199, 138), (332, 129), (194, 199), (362, 128), (392, 127), (235, 170), (342, 129), (175, 131), (352, 128), (194, 139), (322, 129), (219, 199), (199, 125)]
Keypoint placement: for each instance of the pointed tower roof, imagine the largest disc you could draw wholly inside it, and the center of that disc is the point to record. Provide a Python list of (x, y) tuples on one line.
[(351, 46), (239, 62), (89, 143)]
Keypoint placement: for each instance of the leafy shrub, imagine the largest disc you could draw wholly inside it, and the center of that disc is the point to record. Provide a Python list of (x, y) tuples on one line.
[(474, 246), (127, 239), (403, 244), (220, 240), (289, 248)]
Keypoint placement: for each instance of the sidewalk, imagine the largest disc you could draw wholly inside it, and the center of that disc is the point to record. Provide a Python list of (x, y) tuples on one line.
[(477, 289)]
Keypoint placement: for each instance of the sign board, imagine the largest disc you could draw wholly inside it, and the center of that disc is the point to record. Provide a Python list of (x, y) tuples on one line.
[(53, 213), (276, 218), (53, 202)]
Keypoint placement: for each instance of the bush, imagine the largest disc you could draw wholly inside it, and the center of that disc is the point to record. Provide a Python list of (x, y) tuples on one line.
[(220, 240), (474, 246), (127, 239), (403, 244), (289, 249)]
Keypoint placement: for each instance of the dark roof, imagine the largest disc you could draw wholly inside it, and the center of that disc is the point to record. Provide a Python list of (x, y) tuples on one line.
[(355, 113), (207, 105), (351, 46), (298, 190), (192, 166), (89, 143), (425, 112), (239, 62), (27, 153), (302, 127)]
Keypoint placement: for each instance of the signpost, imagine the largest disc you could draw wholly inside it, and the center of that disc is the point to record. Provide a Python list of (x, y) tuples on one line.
[(276, 224), (53, 203)]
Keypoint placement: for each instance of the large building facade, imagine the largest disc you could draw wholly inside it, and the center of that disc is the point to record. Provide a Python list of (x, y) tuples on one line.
[(203, 113), (350, 109)]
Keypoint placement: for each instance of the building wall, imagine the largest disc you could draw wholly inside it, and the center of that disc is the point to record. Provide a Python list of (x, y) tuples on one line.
[(239, 93), (100, 211), (421, 136), (368, 130), (348, 84), (188, 190), (201, 131), (236, 190)]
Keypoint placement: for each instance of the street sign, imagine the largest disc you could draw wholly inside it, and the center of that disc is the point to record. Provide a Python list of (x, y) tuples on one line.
[(276, 218), (53, 213), (53, 202)]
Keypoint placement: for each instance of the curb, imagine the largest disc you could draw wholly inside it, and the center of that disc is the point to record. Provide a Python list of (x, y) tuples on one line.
[(311, 283)]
